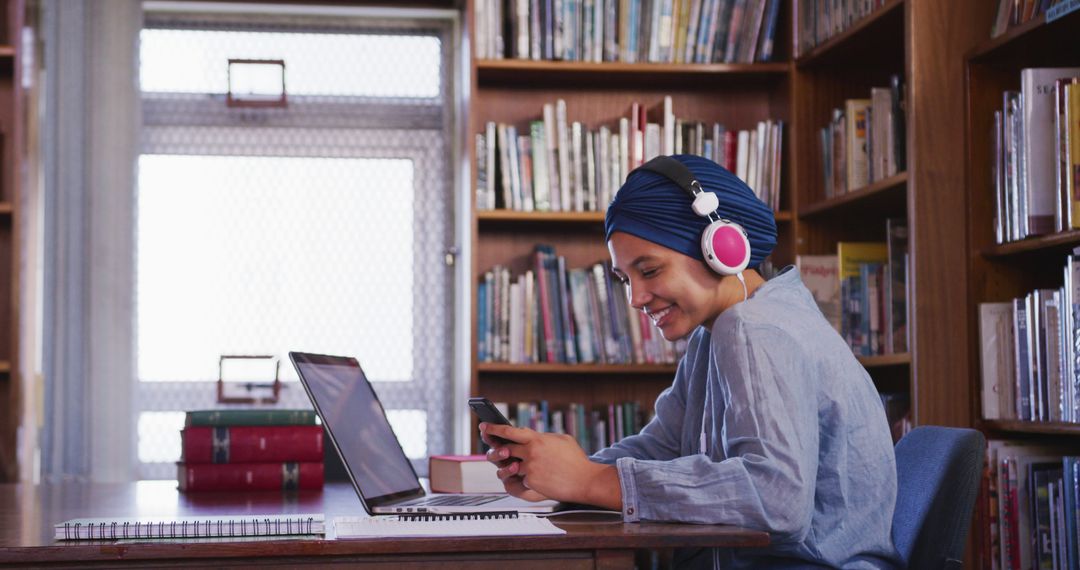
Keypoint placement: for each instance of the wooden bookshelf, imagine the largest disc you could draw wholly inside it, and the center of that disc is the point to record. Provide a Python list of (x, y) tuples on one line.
[(516, 71), (1008, 428), (1033, 39), (885, 360), (1060, 242), (514, 91), (11, 150), (865, 41), (801, 91), (574, 369), (900, 38), (1001, 272), (888, 194), (513, 216)]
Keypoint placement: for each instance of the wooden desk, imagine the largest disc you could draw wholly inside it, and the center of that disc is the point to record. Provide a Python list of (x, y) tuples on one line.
[(28, 513)]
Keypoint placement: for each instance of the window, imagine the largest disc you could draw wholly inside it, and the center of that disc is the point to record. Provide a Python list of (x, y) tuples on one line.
[(320, 227)]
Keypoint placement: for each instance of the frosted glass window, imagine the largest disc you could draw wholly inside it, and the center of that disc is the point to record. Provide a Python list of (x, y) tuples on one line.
[(263, 255), (363, 65)]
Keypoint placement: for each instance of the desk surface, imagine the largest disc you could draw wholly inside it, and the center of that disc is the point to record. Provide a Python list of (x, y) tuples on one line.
[(28, 513)]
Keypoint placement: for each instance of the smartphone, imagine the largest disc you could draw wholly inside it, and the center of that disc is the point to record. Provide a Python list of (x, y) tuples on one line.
[(487, 412)]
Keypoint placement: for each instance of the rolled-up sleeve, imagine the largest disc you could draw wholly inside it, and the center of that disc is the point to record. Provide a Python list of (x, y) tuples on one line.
[(762, 441)]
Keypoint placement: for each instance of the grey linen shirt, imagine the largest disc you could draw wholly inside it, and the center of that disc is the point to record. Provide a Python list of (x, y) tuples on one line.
[(795, 440)]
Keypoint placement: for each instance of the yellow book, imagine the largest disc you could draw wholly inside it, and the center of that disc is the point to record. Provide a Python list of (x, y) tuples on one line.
[(1072, 144), (849, 255), (858, 160), (861, 314)]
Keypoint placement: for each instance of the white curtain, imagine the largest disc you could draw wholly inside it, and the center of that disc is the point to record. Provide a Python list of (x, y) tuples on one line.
[(89, 153)]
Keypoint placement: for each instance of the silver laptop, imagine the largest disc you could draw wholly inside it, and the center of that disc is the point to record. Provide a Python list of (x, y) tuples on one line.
[(379, 470)]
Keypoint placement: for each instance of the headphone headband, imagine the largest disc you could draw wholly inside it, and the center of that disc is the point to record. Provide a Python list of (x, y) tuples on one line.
[(724, 244), (675, 171)]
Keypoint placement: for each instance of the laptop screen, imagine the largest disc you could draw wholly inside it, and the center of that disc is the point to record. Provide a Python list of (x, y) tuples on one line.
[(357, 424)]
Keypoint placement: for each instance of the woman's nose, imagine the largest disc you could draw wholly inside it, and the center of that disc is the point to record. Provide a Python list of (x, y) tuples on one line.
[(638, 296)]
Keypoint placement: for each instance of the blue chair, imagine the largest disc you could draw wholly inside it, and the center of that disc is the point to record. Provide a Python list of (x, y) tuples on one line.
[(938, 473)]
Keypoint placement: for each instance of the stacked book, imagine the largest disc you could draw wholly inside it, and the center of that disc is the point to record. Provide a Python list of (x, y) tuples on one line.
[(1037, 155), (1030, 347), (575, 316), (862, 290), (558, 165), (864, 141), (654, 31), (1032, 499), (250, 450), (820, 20), (593, 427)]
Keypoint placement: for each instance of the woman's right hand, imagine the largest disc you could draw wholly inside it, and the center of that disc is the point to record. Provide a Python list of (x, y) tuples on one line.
[(499, 454)]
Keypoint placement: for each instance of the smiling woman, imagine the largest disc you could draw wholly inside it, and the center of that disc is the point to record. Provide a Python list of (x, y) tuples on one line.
[(771, 423)]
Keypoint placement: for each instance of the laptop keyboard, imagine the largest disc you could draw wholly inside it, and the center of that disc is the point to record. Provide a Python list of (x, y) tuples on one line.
[(456, 500)]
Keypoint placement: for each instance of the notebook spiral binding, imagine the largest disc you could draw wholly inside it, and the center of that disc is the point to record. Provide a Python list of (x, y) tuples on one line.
[(189, 528), (457, 516)]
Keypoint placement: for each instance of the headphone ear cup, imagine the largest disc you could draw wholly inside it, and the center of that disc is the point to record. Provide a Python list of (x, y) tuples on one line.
[(725, 247)]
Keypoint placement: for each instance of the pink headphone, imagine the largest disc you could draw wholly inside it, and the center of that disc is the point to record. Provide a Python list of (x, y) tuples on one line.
[(723, 243)]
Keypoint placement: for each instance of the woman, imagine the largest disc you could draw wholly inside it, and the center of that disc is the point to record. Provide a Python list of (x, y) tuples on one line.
[(771, 423)]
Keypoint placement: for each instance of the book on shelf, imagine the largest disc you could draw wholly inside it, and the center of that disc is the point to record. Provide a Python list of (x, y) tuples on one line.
[(563, 165), (861, 271), (655, 31), (862, 291), (1031, 501), (552, 313), (507, 523), (189, 527), (896, 286), (1069, 168), (1032, 169), (463, 474), (1044, 198), (863, 141), (1029, 352), (285, 476), (855, 125), (819, 20), (250, 417), (821, 275), (251, 444), (594, 427)]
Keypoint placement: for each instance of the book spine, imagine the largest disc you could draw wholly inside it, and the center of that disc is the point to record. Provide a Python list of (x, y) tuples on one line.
[(288, 476), (251, 444), (250, 418)]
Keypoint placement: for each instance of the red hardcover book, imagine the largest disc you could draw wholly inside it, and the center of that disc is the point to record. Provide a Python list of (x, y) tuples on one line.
[(249, 476), (251, 444), (731, 148)]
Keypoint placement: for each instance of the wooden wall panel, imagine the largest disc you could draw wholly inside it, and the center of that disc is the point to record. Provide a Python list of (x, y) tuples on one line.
[(939, 33)]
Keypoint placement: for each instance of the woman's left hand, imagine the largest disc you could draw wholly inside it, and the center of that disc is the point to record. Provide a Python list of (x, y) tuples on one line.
[(555, 466)]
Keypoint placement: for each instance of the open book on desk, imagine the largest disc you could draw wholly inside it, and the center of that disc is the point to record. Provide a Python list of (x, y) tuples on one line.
[(432, 525), (190, 527)]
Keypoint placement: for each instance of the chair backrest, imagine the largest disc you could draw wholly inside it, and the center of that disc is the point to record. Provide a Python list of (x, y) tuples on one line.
[(938, 472)]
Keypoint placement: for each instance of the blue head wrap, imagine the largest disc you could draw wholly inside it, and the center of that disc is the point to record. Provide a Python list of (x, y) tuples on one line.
[(652, 207)]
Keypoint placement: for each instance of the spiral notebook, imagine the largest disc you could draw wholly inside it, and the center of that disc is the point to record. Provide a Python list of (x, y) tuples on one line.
[(190, 527), (509, 523)]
